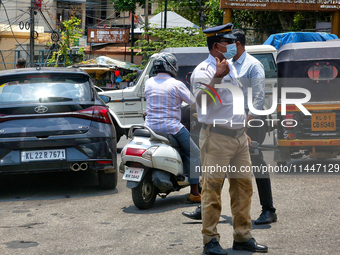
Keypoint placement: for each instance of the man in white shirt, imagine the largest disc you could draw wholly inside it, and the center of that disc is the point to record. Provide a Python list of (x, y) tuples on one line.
[(224, 145)]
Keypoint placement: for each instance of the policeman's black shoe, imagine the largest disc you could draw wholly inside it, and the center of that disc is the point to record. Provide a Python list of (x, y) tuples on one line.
[(250, 245), (196, 215), (214, 248), (266, 217)]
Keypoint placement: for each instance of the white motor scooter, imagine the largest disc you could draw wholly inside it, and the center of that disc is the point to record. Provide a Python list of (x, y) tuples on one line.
[(151, 164)]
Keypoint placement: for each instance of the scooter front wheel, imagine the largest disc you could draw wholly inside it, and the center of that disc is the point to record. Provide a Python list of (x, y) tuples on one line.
[(144, 195)]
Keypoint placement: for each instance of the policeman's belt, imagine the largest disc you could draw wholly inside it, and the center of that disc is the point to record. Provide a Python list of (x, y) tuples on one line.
[(224, 131)]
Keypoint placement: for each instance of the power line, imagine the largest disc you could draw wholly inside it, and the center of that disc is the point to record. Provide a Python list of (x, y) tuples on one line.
[(9, 22), (12, 22)]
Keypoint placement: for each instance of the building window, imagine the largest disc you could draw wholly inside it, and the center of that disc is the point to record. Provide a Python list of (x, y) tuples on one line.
[(68, 9)]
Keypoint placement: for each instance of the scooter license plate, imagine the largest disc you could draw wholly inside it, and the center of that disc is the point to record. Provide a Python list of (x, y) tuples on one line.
[(133, 174)]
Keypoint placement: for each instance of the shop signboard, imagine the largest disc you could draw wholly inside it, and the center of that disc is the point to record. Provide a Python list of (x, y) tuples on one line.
[(108, 35), (282, 5)]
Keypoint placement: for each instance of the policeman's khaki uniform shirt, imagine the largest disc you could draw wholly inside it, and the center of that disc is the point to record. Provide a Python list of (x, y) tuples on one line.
[(204, 73), (251, 74)]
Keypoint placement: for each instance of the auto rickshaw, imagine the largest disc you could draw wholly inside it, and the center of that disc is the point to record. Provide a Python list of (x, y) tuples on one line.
[(315, 67)]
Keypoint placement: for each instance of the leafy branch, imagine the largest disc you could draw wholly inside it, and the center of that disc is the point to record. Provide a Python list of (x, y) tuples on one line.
[(69, 35)]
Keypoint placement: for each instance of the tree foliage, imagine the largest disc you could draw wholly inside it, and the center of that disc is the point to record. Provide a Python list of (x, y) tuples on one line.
[(261, 21), (267, 22), (70, 33), (166, 38), (275, 22), (211, 14), (127, 5)]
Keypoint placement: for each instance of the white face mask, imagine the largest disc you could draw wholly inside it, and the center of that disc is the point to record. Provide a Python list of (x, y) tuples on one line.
[(231, 50)]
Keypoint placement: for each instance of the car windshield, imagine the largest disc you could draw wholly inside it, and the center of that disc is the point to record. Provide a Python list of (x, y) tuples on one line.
[(44, 89)]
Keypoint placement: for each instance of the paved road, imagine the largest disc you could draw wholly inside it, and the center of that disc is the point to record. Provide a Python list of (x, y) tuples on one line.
[(67, 214)]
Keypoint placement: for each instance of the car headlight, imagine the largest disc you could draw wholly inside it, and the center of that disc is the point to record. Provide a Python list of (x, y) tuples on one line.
[(148, 153)]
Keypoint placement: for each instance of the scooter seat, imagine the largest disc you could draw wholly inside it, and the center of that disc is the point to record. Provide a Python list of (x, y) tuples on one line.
[(145, 133), (141, 132)]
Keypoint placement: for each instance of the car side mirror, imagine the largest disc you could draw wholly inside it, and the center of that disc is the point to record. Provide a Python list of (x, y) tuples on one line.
[(105, 99)]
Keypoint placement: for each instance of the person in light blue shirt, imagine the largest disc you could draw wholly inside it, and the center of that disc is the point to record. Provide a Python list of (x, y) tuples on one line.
[(251, 73)]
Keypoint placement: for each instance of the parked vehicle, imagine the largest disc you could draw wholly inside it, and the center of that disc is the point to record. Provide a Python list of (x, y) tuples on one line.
[(52, 120), (98, 89), (278, 40), (314, 66), (127, 105), (153, 165)]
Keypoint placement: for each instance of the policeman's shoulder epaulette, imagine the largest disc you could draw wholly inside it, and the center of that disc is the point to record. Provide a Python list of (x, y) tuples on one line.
[(204, 66)]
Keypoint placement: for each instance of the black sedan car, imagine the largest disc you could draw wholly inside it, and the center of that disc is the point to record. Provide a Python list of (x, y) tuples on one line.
[(52, 119)]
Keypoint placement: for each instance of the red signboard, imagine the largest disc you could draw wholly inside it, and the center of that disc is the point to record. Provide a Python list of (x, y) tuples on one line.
[(111, 35)]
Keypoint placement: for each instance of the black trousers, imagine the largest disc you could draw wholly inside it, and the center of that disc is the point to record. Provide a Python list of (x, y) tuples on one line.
[(262, 179)]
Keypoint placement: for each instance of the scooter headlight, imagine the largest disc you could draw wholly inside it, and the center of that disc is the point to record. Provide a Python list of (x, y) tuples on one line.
[(148, 153)]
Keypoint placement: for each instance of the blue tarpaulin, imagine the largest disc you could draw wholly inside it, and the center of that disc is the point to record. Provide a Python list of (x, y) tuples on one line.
[(278, 40)]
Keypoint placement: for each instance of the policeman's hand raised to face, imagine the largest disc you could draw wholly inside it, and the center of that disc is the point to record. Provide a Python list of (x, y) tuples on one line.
[(222, 68)]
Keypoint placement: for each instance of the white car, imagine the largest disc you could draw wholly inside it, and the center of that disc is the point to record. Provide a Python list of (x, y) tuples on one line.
[(127, 105), (98, 89)]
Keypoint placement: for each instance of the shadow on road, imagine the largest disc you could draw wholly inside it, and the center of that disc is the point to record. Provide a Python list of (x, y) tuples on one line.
[(169, 203), (50, 186)]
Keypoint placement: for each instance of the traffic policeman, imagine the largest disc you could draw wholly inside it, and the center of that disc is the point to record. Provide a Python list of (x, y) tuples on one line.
[(224, 144)]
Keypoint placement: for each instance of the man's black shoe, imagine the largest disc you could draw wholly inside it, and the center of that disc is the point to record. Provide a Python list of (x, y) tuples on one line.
[(214, 248), (250, 245), (196, 215), (266, 217)]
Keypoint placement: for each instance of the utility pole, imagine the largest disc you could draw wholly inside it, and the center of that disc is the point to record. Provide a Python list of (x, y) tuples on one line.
[(165, 12), (146, 15), (32, 33), (132, 33), (201, 17)]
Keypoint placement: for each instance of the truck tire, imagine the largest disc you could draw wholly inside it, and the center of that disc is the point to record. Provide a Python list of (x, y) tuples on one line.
[(107, 180), (144, 195)]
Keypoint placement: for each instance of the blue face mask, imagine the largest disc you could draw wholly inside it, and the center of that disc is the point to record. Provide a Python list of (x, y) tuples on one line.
[(231, 51)]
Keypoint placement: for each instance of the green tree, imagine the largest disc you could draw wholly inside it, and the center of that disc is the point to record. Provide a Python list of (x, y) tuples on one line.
[(261, 21), (275, 22), (70, 34), (127, 5), (166, 38), (215, 14), (211, 14)]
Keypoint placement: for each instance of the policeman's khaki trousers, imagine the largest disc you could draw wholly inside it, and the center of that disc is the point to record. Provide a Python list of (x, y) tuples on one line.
[(221, 150)]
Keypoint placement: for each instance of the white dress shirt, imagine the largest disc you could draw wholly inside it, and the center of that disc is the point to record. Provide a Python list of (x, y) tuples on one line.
[(217, 113)]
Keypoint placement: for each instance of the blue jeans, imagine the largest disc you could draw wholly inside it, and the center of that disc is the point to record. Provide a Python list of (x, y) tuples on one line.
[(191, 155)]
